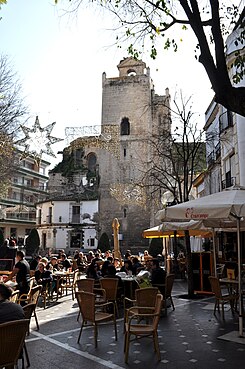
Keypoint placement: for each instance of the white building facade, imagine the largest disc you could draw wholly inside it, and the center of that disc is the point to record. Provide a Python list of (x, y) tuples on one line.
[(67, 224), (225, 133)]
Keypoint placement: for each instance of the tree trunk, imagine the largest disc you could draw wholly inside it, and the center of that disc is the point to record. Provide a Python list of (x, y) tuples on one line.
[(189, 265), (232, 99)]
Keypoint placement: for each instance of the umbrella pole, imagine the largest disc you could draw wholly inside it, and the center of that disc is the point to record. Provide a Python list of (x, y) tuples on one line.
[(239, 279), (214, 252)]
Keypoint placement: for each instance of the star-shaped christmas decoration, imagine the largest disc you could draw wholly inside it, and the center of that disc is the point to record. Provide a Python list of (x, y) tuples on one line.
[(38, 140)]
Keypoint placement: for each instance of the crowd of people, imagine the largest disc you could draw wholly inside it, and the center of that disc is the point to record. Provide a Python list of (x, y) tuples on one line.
[(94, 265)]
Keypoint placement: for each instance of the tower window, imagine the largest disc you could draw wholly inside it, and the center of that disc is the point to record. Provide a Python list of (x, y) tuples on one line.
[(125, 127), (124, 153), (124, 213), (91, 160)]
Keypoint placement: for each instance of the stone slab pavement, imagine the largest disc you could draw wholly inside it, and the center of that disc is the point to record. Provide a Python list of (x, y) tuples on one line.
[(189, 337)]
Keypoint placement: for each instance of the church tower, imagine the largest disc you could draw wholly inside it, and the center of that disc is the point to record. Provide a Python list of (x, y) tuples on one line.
[(130, 106), (112, 166)]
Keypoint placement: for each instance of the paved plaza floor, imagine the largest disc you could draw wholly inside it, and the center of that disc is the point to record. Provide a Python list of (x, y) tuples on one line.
[(189, 337)]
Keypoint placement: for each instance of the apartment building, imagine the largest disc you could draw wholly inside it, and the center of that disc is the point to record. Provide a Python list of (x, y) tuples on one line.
[(28, 185)]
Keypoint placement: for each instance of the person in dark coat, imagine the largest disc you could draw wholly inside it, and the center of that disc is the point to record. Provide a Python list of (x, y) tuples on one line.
[(43, 276), (22, 272), (65, 262), (34, 262), (9, 310), (158, 275)]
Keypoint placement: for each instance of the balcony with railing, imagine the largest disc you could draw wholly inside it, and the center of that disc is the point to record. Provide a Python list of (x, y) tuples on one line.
[(30, 216), (217, 151), (211, 158)]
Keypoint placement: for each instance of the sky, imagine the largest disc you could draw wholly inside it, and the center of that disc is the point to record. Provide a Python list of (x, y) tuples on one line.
[(60, 59)]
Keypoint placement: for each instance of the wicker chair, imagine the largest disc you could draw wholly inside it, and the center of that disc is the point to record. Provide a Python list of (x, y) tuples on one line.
[(86, 302), (12, 338), (110, 286), (69, 283), (29, 310), (135, 328), (220, 297), (144, 297), (14, 297), (167, 291), (32, 297), (25, 296), (86, 285)]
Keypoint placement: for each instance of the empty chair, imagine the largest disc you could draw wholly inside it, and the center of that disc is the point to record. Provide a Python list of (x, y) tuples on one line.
[(166, 290), (110, 286), (86, 285), (134, 327), (29, 310), (221, 297), (144, 298), (12, 338), (68, 282), (86, 302)]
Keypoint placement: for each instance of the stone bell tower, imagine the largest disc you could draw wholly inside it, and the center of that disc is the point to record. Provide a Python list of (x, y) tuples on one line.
[(133, 112)]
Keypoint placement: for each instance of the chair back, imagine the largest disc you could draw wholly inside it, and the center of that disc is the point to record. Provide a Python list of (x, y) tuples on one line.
[(29, 310), (35, 293), (215, 286), (86, 303), (169, 284), (32, 282), (86, 285), (12, 337), (14, 296), (146, 296), (157, 311), (110, 286)]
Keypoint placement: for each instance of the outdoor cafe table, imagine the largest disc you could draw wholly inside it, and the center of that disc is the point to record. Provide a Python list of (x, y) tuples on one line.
[(60, 275), (129, 284)]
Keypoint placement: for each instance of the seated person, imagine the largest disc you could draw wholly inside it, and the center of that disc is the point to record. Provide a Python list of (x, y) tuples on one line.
[(146, 257), (90, 256), (42, 275), (104, 268), (93, 271), (111, 272), (127, 267), (81, 261), (136, 265), (116, 264), (22, 272), (76, 255), (128, 254), (34, 262), (53, 264), (158, 276), (45, 261), (65, 262), (9, 310), (97, 257)]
